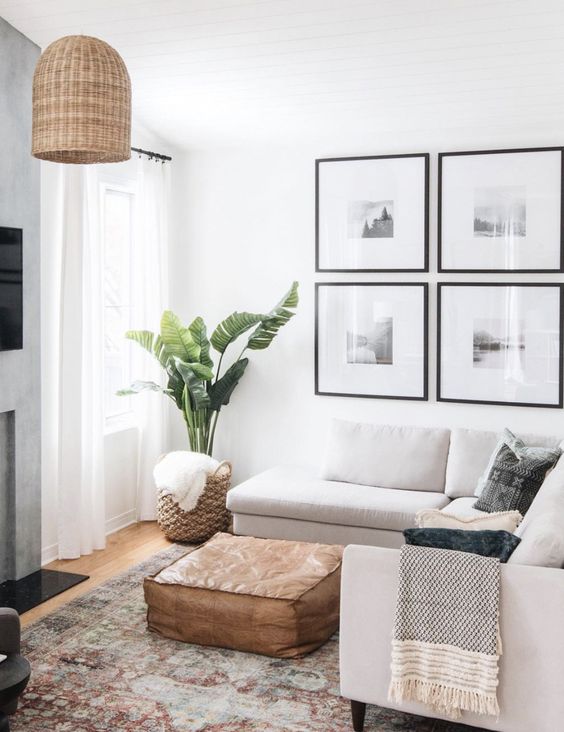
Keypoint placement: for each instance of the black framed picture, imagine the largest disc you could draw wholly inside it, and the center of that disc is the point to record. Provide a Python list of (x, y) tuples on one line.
[(372, 214), (501, 211), (500, 343), (371, 339)]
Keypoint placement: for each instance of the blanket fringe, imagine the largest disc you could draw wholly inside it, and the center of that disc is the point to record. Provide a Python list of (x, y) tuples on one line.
[(446, 700)]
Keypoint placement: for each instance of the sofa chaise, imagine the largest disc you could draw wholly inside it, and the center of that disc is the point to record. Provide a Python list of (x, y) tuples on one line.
[(374, 480)]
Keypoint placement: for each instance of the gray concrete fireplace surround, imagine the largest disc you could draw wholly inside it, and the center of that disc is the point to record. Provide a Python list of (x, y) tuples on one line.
[(20, 375)]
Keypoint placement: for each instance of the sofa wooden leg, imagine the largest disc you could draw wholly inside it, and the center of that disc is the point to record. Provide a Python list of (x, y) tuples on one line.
[(358, 710)]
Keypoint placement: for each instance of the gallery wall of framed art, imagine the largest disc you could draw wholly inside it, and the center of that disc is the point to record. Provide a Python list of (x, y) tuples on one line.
[(498, 211)]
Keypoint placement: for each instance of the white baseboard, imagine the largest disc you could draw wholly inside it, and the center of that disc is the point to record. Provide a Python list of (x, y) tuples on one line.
[(120, 522), (50, 553)]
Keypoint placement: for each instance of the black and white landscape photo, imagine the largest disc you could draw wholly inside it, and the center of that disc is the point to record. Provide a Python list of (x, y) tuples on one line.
[(500, 212), (372, 214), (373, 346), (498, 343), (371, 339), (371, 219)]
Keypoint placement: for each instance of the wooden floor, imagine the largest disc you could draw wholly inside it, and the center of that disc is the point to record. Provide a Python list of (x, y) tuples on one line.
[(124, 549)]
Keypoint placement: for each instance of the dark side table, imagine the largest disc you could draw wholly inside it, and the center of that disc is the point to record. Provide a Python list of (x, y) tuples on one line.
[(14, 675)]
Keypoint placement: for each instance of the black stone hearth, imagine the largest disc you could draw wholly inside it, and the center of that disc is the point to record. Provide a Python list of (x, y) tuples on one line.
[(38, 587)]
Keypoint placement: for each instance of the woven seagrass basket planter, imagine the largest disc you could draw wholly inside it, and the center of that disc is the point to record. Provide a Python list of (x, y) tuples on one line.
[(209, 516)]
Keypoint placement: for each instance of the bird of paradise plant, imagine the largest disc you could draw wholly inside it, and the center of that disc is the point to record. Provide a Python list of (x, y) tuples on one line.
[(184, 352)]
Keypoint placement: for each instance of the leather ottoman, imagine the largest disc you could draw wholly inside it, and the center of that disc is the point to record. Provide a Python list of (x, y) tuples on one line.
[(277, 598)]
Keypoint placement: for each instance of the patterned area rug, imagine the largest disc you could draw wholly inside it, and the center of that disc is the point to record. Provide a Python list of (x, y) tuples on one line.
[(96, 668)]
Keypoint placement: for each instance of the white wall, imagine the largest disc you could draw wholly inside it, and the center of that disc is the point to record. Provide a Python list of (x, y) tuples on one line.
[(248, 223)]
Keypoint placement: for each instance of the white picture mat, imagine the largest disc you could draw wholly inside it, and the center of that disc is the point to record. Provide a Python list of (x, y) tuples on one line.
[(401, 180), (535, 311), (341, 306), (539, 173)]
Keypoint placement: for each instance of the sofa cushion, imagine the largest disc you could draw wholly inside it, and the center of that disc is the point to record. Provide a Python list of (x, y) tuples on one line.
[(470, 453), (468, 456), (549, 500), (542, 530), (516, 475), (409, 458), (297, 494), (463, 508), (542, 544)]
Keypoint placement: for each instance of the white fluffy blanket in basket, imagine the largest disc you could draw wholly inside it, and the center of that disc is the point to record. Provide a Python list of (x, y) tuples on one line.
[(182, 474)]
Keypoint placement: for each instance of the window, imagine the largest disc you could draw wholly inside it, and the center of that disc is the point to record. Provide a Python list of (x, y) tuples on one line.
[(117, 230)]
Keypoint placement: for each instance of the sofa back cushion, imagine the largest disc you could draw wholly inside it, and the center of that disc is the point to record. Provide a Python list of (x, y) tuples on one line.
[(549, 500), (542, 529), (407, 458), (469, 455), (542, 544)]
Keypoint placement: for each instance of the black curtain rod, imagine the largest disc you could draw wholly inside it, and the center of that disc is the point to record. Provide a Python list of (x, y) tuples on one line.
[(151, 155)]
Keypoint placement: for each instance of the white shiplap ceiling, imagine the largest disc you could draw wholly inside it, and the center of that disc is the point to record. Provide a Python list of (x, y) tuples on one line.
[(214, 72)]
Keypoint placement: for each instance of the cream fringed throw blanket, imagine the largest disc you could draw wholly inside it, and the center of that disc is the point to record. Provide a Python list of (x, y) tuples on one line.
[(446, 643)]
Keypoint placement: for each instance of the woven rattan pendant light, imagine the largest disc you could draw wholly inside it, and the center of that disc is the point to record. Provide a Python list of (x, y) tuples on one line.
[(81, 103)]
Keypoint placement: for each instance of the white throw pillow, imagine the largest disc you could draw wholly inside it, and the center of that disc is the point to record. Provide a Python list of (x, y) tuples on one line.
[(542, 544), (431, 518)]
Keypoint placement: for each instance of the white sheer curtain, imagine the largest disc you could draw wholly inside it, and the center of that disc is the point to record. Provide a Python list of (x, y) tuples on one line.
[(73, 348), (78, 346), (149, 298)]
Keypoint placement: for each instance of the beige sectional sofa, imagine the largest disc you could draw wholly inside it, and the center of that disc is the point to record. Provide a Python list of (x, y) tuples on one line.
[(374, 480)]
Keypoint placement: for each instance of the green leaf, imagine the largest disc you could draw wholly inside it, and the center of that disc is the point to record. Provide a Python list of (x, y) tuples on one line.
[(138, 386), (194, 384), (187, 408), (291, 299), (175, 385), (161, 352), (220, 392), (202, 372), (231, 328), (144, 338), (198, 331), (177, 339), (264, 334)]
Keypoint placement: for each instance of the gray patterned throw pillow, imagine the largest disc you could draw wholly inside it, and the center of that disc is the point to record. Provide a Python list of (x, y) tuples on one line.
[(516, 474)]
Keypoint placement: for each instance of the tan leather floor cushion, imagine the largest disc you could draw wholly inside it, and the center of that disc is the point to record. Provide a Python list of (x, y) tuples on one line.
[(278, 598)]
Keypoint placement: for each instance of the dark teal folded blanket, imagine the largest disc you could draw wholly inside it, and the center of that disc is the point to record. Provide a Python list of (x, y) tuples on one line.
[(497, 544)]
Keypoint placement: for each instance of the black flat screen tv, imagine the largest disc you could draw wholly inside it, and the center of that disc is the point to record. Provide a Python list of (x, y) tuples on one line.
[(11, 292)]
